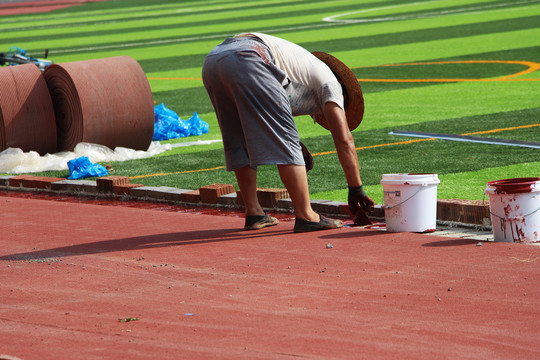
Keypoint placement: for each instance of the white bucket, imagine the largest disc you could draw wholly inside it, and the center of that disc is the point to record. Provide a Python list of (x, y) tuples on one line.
[(514, 206), (410, 202)]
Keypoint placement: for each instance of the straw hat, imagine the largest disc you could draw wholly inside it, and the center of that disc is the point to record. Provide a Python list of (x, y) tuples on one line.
[(352, 94)]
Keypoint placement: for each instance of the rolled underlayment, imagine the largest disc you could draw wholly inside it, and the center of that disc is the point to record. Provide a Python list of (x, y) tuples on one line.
[(103, 101), (27, 119)]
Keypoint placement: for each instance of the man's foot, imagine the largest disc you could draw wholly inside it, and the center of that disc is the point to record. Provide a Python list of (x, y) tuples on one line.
[(323, 224), (255, 222)]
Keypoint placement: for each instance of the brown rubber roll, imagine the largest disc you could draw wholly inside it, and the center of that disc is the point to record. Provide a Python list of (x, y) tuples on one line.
[(103, 101), (27, 118)]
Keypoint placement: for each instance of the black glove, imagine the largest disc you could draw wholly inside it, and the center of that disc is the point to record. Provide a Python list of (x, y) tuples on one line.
[(308, 159), (359, 198)]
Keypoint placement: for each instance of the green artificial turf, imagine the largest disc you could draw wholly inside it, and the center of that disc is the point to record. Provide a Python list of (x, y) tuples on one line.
[(452, 67)]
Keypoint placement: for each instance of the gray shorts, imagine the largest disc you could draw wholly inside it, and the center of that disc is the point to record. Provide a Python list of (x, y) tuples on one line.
[(251, 105)]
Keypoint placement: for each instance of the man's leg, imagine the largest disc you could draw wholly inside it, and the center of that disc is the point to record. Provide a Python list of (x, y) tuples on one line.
[(294, 178), (247, 182), (256, 218)]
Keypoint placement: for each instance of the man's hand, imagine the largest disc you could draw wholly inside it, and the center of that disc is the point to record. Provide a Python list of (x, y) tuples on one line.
[(359, 199), (359, 202)]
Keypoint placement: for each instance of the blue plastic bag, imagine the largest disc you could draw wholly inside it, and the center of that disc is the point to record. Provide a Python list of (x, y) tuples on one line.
[(197, 126), (168, 125), (82, 168)]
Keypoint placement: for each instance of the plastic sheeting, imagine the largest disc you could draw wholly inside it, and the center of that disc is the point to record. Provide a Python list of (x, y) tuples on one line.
[(16, 161)]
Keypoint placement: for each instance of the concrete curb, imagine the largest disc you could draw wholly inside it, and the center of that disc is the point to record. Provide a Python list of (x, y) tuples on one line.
[(450, 212)]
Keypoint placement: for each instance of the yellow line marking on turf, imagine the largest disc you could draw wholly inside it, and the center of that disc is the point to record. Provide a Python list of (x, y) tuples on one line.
[(443, 80), (407, 142), (506, 78), (174, 78), (502, 129), (377, 145), (531, 67), (176, 173)]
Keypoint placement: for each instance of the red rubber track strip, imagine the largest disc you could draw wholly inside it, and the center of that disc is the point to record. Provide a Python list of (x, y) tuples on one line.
[(27, 119), (30, 7), (102, 101)]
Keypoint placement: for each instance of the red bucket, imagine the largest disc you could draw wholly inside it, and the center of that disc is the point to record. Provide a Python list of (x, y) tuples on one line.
[(517, 185)]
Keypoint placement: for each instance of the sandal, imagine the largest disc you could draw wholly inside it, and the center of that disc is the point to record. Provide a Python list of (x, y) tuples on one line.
[(255, 222), (323, 224)]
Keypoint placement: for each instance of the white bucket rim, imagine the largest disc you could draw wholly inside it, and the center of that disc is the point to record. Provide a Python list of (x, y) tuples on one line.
[(410, 179)]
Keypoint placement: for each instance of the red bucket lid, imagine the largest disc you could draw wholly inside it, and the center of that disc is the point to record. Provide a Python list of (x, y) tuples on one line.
[(517, 185)]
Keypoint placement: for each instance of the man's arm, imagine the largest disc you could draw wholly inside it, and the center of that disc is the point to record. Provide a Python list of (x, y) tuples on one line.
[(344, 142), (346, 150)]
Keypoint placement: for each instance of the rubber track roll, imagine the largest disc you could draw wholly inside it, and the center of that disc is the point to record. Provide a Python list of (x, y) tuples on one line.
[(27, 119), (102, 101)]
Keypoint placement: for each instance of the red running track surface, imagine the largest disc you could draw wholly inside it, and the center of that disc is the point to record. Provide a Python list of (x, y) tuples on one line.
[(88, 280), (31, 7)]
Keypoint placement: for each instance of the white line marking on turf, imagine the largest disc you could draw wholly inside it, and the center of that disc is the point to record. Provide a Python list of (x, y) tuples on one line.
[(326, 23), (334, 18), (142, 43), (466, 138), (180, 40)]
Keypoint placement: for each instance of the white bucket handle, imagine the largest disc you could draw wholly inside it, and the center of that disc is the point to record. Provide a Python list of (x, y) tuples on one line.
[(505, 218), (515, 218), (404, 201)]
